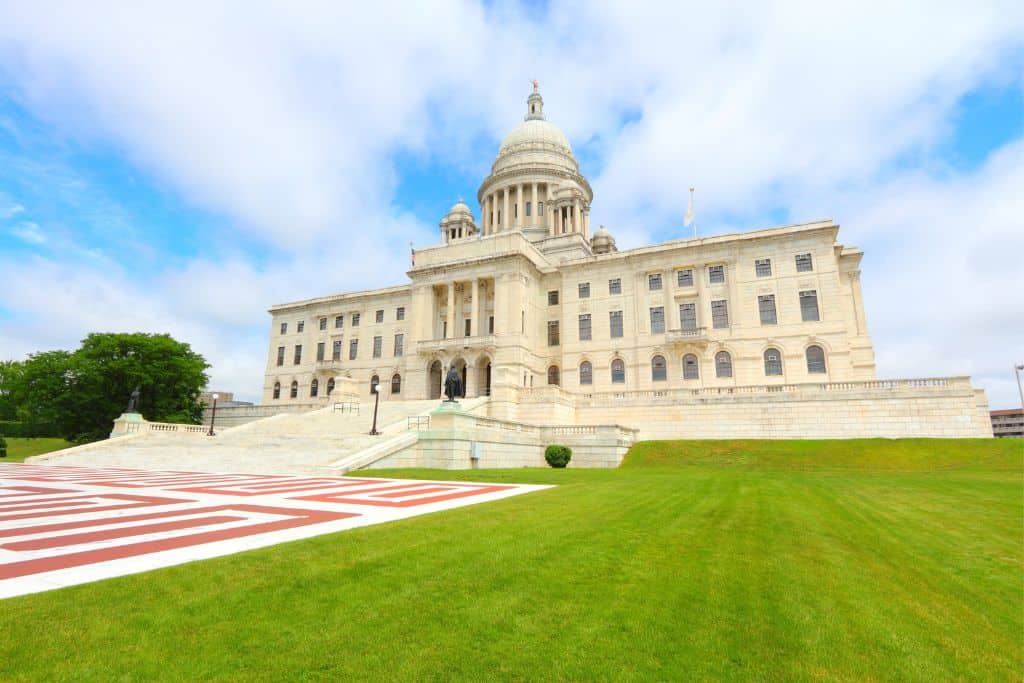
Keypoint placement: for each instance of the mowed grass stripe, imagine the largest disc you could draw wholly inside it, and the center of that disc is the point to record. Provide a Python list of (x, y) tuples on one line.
[(681, 564)]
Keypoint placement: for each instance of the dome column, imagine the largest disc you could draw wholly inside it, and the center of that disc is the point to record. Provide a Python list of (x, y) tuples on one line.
[(520, 211), (504, 215), (577, 221), (534, 222)]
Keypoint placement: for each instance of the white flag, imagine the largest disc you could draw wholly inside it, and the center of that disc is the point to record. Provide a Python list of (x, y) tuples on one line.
[(688, 219)]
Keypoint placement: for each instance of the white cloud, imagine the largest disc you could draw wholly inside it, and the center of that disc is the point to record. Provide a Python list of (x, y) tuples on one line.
[(30, 232), (285, 121)]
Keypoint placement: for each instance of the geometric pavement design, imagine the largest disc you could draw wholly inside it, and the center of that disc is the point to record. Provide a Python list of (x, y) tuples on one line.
[(62, 525)]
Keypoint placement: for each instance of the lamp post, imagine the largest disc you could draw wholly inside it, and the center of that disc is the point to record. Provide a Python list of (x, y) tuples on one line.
[(213, 415), (1017, 369), (376, 402)]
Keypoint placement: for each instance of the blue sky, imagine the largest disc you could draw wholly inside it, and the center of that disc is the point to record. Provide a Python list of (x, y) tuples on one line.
[(183, 170)]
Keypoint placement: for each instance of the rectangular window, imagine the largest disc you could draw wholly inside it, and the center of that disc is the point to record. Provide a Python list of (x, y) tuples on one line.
[(444, 330), (585, 327), (355, 320), (300, 326), (298, 353), (339, 322), (353, 349), (763, 267), (584, 289), (684, 278), (766, 307), (490, 325), (540, 208), (320, 347), (716, 274), (380, 316), (529, 208), (804, 263), (399, 345), (323, 323), (378, 346), (615, 286), (809, 306), (400, 313), (552, 333), (688, 317), (469, 327), (280, 355), (284, 328), (553, 298), (615, 323), (654, 281), (658, 320), (720, 314), (336, 350)]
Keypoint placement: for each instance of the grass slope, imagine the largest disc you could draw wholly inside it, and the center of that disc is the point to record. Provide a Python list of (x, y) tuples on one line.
[(18, 449), (713, 560)]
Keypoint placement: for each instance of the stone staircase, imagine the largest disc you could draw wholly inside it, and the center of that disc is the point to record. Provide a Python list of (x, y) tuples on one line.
[(325, 441)]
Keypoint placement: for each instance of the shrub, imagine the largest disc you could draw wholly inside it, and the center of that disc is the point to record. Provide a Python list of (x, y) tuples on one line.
[(3, 446), (558, 456)]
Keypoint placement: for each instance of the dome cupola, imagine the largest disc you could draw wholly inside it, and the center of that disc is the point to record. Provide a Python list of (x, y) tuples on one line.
[(602, 242)]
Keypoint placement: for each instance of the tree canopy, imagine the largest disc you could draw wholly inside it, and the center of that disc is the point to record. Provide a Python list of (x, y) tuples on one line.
[(82, 392)]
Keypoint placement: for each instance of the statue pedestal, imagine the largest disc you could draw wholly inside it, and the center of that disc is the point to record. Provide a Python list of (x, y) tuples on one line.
[(448, 407), (127, 423)]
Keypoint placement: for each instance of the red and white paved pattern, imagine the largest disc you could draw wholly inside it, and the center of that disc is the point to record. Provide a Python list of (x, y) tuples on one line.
[(64, 525)]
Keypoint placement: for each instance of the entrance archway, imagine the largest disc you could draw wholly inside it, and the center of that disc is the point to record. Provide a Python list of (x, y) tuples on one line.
[(483, 376), (434, 378)]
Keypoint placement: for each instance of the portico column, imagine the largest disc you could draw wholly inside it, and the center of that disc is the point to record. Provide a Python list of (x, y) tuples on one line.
[(451, 310), (504, 214), (474, 324), (533, 208), (499, 322)]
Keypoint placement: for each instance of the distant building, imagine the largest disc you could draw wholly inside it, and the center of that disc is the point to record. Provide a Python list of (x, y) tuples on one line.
[(225, 399), (1008, 423)]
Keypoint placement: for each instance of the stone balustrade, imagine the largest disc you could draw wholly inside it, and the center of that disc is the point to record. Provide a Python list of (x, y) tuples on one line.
[(432, 345)]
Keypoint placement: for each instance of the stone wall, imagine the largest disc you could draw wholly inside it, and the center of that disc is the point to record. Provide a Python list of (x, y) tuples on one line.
[(935, 407), (463, 441)]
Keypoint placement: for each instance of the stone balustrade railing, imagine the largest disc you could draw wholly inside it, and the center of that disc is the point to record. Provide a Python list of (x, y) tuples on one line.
[(549, 394), (432, 345), (145, 427)]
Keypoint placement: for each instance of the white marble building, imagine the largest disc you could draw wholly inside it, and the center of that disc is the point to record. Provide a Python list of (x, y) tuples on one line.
[(534, 309)]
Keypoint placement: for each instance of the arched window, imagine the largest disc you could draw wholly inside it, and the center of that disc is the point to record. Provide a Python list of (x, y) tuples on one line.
[(295, 389), (277, 390), (553, 377), (586, 372), (330, 386), (772, 362), (396, 384), (815, 360), (618, 371), (690, 368), (374, 381), (659, 373), (723, 364), (314, 387)]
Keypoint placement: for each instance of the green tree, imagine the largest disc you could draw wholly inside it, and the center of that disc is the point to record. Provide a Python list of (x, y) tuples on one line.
[(84, 391)]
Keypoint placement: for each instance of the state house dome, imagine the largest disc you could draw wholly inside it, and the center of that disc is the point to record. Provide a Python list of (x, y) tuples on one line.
[(535, 141)]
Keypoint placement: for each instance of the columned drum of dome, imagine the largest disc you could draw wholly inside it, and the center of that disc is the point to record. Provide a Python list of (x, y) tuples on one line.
[(535, 161)]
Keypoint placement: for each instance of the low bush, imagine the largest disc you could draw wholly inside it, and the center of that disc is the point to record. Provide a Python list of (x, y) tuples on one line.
[(558, 456), (3, 446)]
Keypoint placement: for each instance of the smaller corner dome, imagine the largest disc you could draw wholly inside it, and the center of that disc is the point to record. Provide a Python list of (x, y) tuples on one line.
[(602, 242), (459, 207)]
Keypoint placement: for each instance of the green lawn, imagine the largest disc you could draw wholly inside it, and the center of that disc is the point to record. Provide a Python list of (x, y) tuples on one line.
[(18, 449), (862, 560)]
